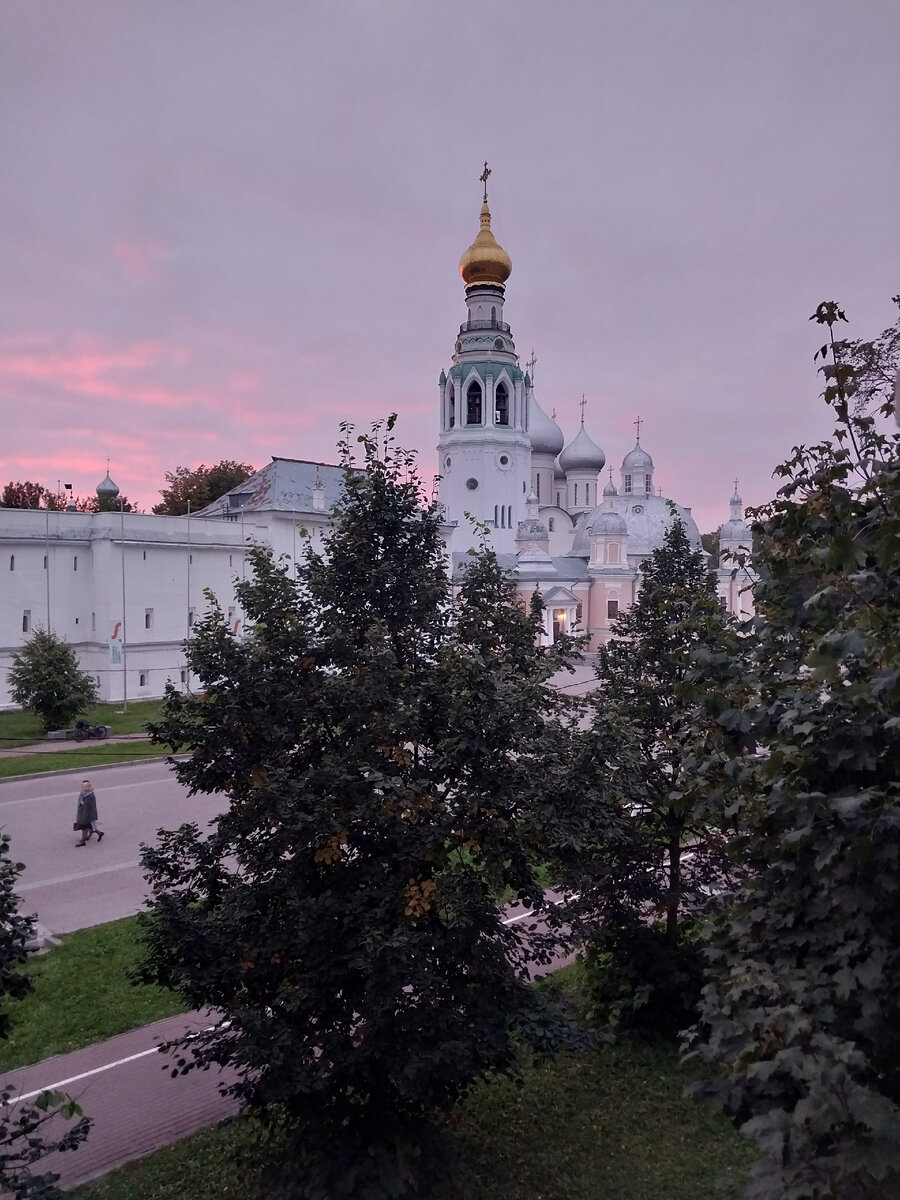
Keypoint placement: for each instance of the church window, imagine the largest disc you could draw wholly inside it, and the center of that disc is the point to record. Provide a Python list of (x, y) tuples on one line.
[(612, 552), (509, 516), (587, 494), (142, 679), (502, 403), (576, 495), (550, 525), (626, 486), (496, 514), (75, 563), (493, 314), (473, 404), (45, 562), (12, 562), (612, 609), (148, 618), (451, 417), (537, 485), (26, 621)]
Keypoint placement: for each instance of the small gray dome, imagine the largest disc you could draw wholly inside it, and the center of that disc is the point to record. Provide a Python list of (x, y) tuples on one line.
[(608, 524), (106, 487), (546, 436), (637, 459), (735, 530), (582, 454), (610, 489)]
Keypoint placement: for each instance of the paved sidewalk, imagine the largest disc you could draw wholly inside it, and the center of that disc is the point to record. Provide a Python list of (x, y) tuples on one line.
[(126, 1085), (57, 747)]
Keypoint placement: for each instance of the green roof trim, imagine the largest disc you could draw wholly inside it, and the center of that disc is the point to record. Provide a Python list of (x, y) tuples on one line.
[(483, 368)]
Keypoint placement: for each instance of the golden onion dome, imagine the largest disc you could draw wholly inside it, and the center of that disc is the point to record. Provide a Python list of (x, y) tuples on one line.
[(485, 261)]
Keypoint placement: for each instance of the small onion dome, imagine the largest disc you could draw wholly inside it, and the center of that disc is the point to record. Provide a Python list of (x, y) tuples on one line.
[(546, 436), (637, 459), (106, 489), (485, 261), (608, 524), (582, 454), (610, 489)]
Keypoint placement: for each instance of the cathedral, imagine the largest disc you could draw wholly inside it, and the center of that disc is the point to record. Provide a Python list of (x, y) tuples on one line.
[(125, 589), (564, 527)]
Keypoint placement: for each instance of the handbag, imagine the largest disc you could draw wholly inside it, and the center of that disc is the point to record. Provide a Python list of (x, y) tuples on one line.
[(76, 827)]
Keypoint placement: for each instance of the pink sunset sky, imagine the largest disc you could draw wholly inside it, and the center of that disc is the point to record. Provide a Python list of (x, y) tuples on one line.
[(226, 227)]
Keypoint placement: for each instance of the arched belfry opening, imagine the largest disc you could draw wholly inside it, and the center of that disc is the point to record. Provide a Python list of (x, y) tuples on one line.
[(473, 404), (501, 403)]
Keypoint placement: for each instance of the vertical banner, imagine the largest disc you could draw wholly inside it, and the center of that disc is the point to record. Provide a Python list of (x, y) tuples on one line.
[(115, 644)]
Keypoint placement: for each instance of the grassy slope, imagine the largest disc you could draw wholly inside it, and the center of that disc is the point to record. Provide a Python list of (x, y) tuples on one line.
[(82, 994), (94, 754), (613, 1125)]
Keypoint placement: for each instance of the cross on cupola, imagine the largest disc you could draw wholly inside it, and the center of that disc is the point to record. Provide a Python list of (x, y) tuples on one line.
[(581, 406), (637, 424), (484, 178), (531, 364)]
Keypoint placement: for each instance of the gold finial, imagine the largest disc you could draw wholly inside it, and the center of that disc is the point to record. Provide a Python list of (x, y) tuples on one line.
[(484, 178)]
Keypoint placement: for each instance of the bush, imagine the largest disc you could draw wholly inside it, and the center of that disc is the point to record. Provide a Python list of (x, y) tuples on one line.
[(640, 982), (45, 678)]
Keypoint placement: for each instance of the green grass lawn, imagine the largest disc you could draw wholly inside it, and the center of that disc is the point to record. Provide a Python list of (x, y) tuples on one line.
[(613, 1125), (24, 728), (82, 994), (93, 754)]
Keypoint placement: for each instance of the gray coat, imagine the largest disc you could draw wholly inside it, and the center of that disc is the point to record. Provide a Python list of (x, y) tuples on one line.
[(87, 810)]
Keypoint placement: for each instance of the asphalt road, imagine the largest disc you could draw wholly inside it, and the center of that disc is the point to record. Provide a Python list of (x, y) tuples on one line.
[(69, 890)]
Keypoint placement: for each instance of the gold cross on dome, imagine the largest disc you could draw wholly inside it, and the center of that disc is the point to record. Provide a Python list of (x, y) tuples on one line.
[(484, 178)]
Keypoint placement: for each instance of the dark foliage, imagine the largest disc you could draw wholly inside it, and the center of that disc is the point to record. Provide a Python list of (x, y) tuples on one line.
[(804, 1009), (197, 488), (45, 678), (24, 1137), (383, 749)]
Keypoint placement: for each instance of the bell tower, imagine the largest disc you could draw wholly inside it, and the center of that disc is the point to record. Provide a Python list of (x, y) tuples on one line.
[(484, 452)]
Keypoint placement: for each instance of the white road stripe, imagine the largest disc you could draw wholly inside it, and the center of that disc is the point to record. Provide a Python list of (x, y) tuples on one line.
[(41, 883)]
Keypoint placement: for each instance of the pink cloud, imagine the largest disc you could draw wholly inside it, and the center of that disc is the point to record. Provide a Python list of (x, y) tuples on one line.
[(141, 259)]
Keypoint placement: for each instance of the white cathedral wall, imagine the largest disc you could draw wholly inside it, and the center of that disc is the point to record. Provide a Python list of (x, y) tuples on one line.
[(168, 563)]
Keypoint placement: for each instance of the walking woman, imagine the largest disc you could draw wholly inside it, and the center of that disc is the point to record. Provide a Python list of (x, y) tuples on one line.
[(86, 814)]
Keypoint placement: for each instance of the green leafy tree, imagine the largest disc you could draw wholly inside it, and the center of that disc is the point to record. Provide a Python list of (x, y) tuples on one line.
[(643, 892), (201, 486), (870, 366), (46, 678), (803, 1011), (710, 543), (23, 495), (381, 746), (24, 1136)]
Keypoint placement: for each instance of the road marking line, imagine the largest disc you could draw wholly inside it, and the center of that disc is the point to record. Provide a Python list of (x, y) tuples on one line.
[(520, 917), (120, 1062), (76, 875)]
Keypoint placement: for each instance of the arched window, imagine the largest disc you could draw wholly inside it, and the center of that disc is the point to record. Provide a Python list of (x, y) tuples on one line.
[(509, 516), (473, 404), (537, 485), (550, 524), (627, 485), (496, 513), (493, 314), (12, 562), (501, 401), (576, 495), (451, 407)]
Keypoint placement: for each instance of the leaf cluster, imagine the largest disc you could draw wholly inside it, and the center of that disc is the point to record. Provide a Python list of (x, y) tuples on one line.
[(803, 1008), (386, 748), (45, 677), (194, 489), (24, 1138)]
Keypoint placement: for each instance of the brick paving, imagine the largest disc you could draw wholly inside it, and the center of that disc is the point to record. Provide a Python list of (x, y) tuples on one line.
[(126, 1087)]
